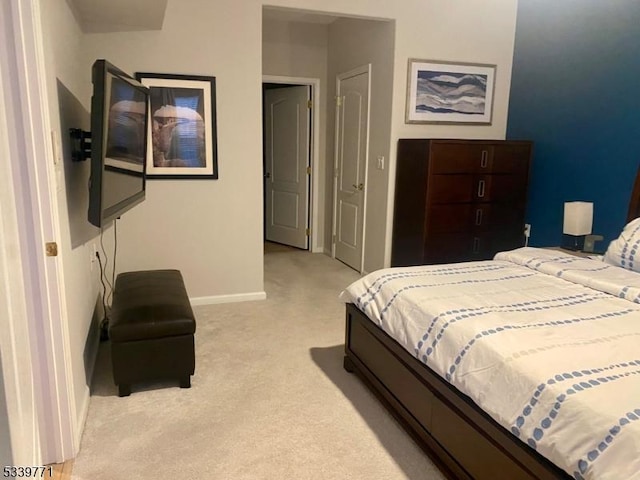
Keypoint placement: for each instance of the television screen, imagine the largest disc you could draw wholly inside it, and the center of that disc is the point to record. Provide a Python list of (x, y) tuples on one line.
[(118, 143)]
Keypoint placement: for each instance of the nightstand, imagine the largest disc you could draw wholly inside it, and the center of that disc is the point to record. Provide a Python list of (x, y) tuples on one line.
[(576, 253)]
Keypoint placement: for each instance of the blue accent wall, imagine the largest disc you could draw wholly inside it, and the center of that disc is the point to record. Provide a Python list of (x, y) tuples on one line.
[(575, 91)]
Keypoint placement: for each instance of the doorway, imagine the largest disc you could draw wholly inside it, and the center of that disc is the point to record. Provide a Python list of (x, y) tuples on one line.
[(290, 153), (287, 164)]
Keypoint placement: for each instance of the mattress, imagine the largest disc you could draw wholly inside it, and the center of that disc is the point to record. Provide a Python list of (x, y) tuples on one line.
[(546, 343)]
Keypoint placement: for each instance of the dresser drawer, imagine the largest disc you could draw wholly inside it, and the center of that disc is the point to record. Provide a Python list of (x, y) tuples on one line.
[(500, 188), (450, 218), (457, 247), (506, 239), (450, 189), (485, 245), (459, 158), (461, 247), (510, 158), (474, 217), (491, 216), (479, 158), (447, 248)]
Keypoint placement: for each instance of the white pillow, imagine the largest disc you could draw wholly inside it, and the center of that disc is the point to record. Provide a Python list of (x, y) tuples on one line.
[(624, 251)]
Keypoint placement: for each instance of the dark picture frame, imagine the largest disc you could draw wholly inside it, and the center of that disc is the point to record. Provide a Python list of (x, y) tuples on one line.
[(182, 135), (448, 92)]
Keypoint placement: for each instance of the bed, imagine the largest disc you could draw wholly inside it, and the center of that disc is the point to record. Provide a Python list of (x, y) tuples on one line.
[(523, 367)]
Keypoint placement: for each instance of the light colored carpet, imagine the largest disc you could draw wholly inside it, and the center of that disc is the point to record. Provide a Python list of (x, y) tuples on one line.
[(269, 398)]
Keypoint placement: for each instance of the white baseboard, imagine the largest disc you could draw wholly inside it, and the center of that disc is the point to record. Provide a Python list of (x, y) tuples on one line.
[(235, 297), (91, 347), (81, 420)]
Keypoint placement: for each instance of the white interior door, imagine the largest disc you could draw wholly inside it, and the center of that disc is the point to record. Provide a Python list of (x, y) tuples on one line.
[(287, 128), (352, 131)]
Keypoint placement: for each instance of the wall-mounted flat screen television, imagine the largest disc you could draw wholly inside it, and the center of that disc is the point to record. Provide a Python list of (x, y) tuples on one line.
[(119, 118)]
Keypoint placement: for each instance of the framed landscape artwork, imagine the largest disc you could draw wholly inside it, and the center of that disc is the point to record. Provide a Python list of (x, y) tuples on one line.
[(181, 141), (443, 92)]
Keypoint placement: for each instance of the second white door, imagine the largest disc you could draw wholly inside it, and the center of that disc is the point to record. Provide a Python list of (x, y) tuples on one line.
[(287, 129), (352, 131)]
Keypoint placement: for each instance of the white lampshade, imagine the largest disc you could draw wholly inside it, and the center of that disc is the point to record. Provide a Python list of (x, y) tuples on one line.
[(578, 218)]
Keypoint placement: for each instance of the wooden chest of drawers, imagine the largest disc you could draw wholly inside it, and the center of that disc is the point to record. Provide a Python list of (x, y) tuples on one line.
[(458, 200)]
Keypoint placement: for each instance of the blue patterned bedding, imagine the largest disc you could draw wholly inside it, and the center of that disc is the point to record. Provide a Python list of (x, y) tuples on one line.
[(544, 342)]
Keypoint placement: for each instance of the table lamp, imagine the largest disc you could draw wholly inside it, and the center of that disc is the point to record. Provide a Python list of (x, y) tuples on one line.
[(578, 222)]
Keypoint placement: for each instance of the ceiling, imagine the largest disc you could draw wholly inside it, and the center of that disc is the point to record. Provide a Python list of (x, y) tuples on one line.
[(103, 16), (290, 15)]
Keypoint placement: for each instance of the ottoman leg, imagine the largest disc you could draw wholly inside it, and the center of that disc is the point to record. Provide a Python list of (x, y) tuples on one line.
[(185, 382), (124, 390)]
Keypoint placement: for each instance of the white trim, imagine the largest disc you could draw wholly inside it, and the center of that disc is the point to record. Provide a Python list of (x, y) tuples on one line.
[(231, 298), (37, 221), (317, 243), (22, 416), (334, 173), (391, 189), (339, 78), (366, 167), (82, 417)]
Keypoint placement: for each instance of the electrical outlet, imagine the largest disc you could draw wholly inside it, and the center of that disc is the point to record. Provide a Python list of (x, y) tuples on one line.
[(527, 230)]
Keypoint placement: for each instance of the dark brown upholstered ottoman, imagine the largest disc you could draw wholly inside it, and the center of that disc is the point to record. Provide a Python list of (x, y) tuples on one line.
[(151, 329)]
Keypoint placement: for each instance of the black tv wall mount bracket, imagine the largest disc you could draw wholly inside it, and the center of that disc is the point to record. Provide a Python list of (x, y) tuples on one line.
[(80, 144)]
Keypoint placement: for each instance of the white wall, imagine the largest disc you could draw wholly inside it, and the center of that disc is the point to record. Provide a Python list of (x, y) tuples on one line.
[(354, 43), (81, 284), (323, 51), (478, 31), (212, 230), (209, 229), (297, 49)]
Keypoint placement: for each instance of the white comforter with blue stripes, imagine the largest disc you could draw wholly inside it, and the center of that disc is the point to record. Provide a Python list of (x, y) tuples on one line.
[(547, 343)]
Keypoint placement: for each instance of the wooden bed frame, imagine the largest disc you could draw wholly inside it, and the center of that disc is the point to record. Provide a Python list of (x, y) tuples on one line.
[(461, 438)]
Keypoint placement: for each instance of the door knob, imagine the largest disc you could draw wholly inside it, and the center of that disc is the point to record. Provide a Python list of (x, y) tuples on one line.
[(358, 187), (267, 175)]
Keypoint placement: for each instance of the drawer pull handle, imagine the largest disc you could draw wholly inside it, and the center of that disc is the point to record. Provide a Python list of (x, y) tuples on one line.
[(476, 245), (479, 216), (484, 159), (481, 189)]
